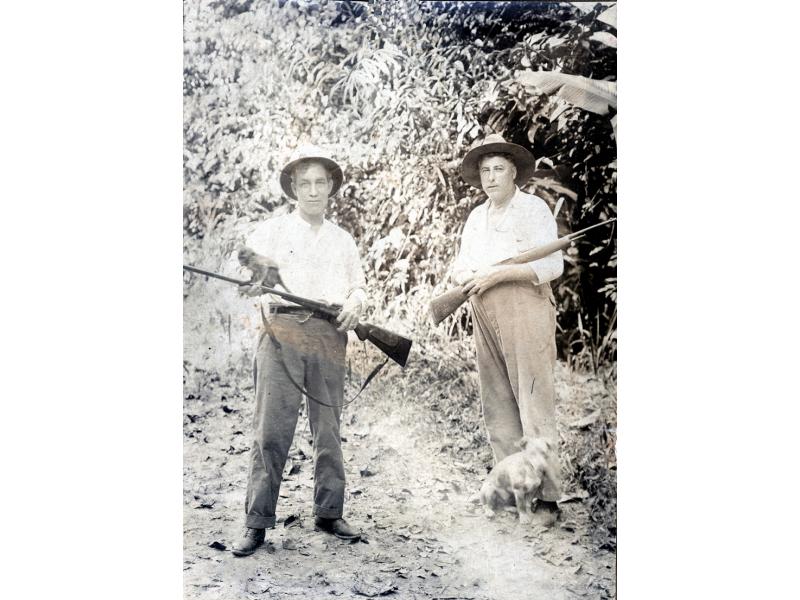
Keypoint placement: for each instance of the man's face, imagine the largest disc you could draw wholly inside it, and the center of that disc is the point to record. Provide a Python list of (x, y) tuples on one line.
[(497, 177), (312, 186)]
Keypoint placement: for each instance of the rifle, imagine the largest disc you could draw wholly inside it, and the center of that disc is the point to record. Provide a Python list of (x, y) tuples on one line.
[(446, 304), (393, 345)]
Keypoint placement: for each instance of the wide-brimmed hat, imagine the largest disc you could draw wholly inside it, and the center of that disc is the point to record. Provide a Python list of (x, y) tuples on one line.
[(491, 144), (310, 152)]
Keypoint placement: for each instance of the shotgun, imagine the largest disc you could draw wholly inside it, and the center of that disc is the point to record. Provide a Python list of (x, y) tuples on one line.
[(393, 345), (446, 304)]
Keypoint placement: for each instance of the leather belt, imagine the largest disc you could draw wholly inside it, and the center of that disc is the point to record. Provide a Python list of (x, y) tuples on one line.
[(280, 309)]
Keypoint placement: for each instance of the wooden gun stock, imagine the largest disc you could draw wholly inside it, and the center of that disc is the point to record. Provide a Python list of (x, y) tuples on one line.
[(446, 304), (393, 345)]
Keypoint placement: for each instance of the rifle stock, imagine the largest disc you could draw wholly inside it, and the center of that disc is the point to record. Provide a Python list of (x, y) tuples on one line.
[(446, 304), (393, 345)]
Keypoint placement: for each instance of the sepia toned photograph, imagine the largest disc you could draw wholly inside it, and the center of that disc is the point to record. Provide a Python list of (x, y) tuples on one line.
[(399, 299)]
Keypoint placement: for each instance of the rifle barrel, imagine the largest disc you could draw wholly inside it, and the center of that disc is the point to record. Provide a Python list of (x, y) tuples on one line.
[(554, 246), (211, 274), (314, 304), (584, 230)]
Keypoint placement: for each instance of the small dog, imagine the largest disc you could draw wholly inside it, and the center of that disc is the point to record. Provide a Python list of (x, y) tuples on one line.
[(520, 477)]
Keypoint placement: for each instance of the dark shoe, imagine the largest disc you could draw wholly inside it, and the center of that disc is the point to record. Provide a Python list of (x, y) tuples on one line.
[(251, 540), (337, 527), (546, 513)]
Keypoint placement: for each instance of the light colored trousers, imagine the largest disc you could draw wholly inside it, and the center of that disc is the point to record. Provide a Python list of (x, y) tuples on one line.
[(515, 326), (314, 353)]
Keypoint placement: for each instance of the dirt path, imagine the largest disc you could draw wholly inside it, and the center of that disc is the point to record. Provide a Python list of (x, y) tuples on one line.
[(408, 491)]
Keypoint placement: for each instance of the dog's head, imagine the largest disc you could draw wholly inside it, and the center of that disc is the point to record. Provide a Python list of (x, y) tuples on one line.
[(542, 455), (491, 497)]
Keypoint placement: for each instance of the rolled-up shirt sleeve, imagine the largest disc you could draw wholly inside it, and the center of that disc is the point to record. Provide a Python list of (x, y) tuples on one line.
[(546, 230)]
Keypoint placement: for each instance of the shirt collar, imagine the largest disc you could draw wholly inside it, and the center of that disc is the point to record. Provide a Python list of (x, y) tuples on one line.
[(514, 199), (305, 225)]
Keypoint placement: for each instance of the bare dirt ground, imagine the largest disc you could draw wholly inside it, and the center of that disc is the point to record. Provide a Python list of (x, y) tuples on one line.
[(410, 479)]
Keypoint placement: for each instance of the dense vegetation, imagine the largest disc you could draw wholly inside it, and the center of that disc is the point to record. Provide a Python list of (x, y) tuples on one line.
[(398, 91)]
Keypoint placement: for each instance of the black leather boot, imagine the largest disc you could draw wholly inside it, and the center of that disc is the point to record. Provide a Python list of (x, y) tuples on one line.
[(337, 527), (251, 539)]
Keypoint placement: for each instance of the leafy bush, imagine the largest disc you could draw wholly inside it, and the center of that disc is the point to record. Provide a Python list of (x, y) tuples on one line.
[(398, 91)]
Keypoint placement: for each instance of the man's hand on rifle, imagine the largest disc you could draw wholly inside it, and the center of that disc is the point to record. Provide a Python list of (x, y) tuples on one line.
[(350, 314), (249, 290), (488, 277)]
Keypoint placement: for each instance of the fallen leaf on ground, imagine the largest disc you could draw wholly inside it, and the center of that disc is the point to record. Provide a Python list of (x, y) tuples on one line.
[(373, 585), (571, 497), (382, 558), (292, 521), (289, 544), (586, 421), (254, 586)]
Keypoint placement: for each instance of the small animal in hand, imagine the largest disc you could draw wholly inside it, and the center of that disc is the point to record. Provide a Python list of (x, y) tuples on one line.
[(264, 270), (517, 479)]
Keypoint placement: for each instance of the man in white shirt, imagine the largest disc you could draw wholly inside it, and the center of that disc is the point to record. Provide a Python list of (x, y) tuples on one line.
[(300, 349), (513, 307)]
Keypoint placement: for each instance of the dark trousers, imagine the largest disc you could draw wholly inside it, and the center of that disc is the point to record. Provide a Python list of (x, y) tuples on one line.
[(314, 353)]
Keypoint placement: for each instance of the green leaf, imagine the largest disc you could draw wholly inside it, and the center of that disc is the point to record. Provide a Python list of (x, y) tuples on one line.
[(609, 17), (605, 37), (588, 94)]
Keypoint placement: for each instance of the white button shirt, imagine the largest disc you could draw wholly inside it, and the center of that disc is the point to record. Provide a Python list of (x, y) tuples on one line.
[(320, 264), (527, 223)]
